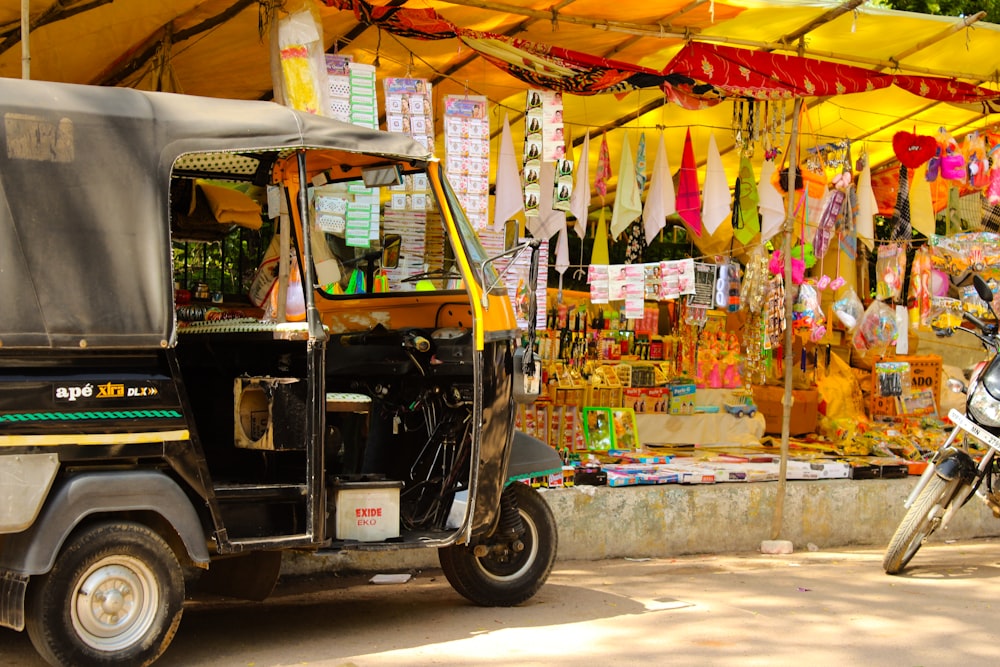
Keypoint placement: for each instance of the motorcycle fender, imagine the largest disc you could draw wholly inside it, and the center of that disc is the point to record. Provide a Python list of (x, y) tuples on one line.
[(530, 457), (958, 465), (34, 550)]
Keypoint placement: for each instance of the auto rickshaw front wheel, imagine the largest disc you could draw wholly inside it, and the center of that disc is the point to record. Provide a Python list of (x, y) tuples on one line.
[(510, 569), (114, 597)]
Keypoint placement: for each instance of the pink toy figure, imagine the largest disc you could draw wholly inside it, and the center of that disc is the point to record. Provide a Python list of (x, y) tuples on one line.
[(731, 378)]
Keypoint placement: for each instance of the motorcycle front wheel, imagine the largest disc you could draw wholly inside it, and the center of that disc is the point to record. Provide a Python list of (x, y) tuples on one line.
[(921, 520)]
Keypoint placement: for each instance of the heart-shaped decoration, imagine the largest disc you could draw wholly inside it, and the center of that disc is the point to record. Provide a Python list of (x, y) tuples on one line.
[(913, 150)]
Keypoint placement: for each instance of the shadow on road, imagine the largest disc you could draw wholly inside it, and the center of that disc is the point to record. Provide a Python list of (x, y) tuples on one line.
[(346, 616)]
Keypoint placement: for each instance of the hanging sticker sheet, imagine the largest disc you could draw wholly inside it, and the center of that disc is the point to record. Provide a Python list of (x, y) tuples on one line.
[(338, 72)]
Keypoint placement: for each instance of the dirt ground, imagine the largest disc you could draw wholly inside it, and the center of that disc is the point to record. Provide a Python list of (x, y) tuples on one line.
[(819, 608)]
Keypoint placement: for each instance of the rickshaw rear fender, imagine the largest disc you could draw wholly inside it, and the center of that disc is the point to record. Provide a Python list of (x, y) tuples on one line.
[(33, 551)]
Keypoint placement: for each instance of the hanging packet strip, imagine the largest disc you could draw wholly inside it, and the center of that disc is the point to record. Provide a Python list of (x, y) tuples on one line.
[(890, 268), (467, 136)]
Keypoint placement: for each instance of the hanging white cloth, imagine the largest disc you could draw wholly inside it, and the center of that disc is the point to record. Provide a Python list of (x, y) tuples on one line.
[(772, 204), (509, 198), (661, 200), (628, 201), (716, 205), (579, 201), (867, 207)]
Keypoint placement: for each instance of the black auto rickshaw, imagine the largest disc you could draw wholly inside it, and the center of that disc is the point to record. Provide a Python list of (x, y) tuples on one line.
[(140, 441)]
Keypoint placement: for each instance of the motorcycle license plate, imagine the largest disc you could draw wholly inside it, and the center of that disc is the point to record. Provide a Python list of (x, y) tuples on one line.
[(974, 429)]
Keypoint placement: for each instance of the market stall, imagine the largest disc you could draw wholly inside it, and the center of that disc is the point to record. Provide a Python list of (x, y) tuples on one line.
[(790, 178)]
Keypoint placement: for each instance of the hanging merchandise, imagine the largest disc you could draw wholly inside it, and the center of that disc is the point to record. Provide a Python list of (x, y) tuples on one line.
[(849, 309), (876, 330), (716, 199), (807, 313), (603, 169), (302, 82), (890, 267), (635, 244), (867, 204), (548, 221), (922, 216), (775, 328), (913, 150), (509, 198), (746, 219), (599, 282), (957, 253), (628, 202), (755, 279), (952, 160), (467, 145), (977, 163), (688, 191), (833, 211), (661, 201), (338, 74), (544, 142), (640, 163), (727, 286), (901, 230), (408, 109), (921, 286), (772, 204), (599, 254), (579, 202), (993, 191), (351, 90)]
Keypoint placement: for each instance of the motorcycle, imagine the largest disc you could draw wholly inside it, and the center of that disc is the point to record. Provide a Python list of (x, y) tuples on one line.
[(954, 474)]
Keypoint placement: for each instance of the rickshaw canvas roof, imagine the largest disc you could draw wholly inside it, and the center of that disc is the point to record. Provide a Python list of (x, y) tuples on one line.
[(85, 250)]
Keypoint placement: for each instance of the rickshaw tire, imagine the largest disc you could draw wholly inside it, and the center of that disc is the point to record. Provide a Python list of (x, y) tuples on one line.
[(128, 590), (493, 582)]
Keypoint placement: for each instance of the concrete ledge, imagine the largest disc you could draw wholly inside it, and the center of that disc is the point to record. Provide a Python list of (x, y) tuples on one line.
[(673, 520)]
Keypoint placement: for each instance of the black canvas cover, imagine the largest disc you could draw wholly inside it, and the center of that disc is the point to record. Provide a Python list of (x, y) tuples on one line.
[(85, 253)]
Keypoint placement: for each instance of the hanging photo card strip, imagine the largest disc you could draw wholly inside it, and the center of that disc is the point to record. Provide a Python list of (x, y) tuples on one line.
[(408, 109), (533, 150), (597, 278), (677, 278), (635, 304), (553, 142), (467, 161), (621, 276), (563, 185), (652, 280)]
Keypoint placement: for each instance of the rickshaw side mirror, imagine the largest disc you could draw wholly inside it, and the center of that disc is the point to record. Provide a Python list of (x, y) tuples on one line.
[(384, 176), (390, 251), (509, 235)]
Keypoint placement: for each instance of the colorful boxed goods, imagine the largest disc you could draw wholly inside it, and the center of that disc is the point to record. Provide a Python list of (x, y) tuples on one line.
[(647, 399), (901, 382), (682, 398)]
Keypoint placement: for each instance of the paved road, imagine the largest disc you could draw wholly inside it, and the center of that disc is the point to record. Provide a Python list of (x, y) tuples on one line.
[(816, 609)]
